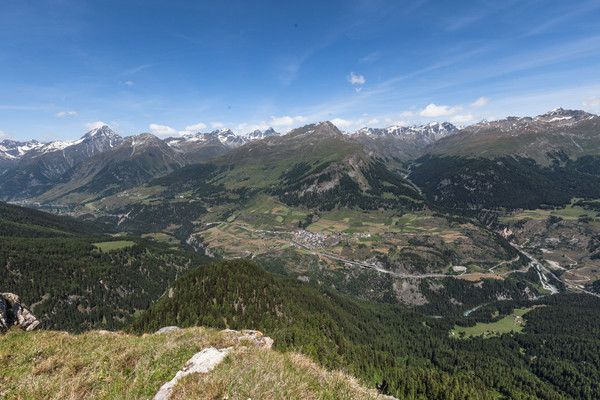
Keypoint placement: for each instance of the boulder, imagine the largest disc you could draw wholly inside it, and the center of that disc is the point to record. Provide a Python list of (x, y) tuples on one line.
[(167, 329), (12, 313)]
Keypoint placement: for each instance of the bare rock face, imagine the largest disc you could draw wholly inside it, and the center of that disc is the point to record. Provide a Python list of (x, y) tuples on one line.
[(12, 313)]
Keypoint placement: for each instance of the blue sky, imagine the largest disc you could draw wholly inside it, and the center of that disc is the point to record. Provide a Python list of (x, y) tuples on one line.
[(170, 67)]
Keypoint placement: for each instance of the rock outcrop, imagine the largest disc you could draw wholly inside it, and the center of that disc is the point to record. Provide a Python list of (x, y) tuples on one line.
[(167, 329), (207, 359), (12, 313)]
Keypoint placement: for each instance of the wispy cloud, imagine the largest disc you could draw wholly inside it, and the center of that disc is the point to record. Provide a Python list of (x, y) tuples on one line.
[(289, 70), (573, 12), (531, 60), (245, 127), (4, 135), (129, 83), (480, 102), (65, 113), (395, 122), (94, 125), (217, 125), (591, 103), (480, 14), (137, 69), (18, 108), (370, 58), (433, 111), (356, 79)]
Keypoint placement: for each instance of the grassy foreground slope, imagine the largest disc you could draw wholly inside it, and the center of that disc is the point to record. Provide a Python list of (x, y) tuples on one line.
[(93, 365)]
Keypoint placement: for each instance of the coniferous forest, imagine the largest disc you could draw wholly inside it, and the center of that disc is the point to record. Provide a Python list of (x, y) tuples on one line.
[(404, 353)]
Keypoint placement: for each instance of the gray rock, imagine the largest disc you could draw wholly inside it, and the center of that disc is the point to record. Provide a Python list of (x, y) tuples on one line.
[(167, 329), (206, 360), (202, 362), (12, 313)]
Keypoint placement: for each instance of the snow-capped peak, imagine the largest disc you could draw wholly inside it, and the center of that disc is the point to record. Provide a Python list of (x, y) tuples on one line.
[(431, 131)]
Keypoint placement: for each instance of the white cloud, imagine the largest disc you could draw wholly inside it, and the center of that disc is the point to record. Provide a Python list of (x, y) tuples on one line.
[(63, 113), (94, 125), (480, 102), (282, 121), (286, 120), (407, 114), (358, 89), (374, 121), (591, 103), (434, 111), (462, 119), (356, 79), (4, 135), (196, 127), (216, 125), (162, 130), (129, 83), (347, 123)]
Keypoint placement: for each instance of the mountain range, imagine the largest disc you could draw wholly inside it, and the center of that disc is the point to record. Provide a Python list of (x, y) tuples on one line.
[(386, 199), (426, 260)]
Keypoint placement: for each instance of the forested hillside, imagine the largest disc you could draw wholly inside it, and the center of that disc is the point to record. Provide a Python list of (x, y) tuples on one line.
[(464, 183), (406, 354), (74, 279)]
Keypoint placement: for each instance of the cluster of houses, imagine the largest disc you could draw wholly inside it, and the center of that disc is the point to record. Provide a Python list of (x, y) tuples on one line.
[(321, 239)]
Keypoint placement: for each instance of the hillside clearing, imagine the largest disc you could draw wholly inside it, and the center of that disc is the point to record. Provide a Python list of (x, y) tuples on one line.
[(108, 246), (511, 323)]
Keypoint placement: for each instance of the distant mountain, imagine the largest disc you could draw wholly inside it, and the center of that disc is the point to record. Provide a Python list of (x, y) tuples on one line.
[(427, 133), (315, 166), (41, 164), (403, 142), (257, 134), (202, 146), (133, 162), (12, 151), (514, 162), (549, 138)]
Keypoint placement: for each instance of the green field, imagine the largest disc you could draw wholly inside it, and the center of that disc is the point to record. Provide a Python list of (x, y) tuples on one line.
[(162, 237), (505, 325), (108, 246), (568, 212)]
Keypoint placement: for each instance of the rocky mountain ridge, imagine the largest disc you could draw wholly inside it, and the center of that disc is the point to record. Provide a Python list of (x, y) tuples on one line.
[(428, 133), (550, 138), (557, 118), (553, 137)]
